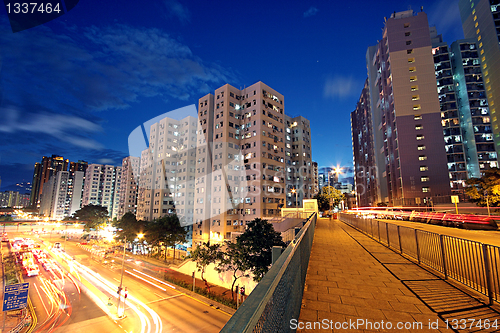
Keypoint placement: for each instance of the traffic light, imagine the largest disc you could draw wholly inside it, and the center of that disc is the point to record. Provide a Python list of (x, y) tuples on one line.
[(119, 290), (242, 291)]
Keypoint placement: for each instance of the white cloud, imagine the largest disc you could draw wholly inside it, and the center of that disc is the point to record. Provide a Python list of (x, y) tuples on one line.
[(178, 10), (311, 12), (340, 87), (62, 127)]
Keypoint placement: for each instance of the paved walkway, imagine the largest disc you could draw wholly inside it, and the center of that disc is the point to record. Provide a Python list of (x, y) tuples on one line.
[(355, 284)]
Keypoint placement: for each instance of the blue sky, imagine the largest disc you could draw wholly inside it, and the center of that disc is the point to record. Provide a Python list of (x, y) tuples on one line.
[(78, 85)]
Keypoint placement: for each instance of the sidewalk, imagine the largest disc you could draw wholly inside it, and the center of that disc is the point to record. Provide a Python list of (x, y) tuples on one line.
[(353, 279)]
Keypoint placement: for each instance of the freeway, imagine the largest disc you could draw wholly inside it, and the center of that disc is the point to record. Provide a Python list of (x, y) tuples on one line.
[(152, 305), (178, 311)]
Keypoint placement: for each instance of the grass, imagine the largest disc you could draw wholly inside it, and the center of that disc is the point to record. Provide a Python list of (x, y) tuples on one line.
[(10, 270), (202, 291)]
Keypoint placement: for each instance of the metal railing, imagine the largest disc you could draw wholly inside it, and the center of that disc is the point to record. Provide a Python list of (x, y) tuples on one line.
[(278, 296), (474, 264)]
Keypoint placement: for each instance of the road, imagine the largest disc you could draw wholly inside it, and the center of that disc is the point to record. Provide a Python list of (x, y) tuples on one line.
[(484, 236), (151, 306)]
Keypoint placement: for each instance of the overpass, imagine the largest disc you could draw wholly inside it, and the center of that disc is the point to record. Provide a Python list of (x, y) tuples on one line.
[(360, 274)]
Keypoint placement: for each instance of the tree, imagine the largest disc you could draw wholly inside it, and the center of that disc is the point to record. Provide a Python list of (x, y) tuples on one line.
[(332, 195), (258, 241), (323, 204), (130, 226), (235, 260), (166, 230), (205, 255), (485, 190), (94, 217)]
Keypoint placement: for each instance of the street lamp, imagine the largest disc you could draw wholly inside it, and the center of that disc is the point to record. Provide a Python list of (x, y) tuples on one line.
[(140, 236), (296, 202), (119, 310)]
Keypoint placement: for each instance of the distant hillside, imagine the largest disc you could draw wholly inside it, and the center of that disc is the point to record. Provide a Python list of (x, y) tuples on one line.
[(23, 188)]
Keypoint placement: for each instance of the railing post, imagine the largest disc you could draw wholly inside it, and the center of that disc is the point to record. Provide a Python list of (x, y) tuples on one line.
[(487, 271), (399, 238), (387, 233), (378, 229), (416, 243), (442, 254)]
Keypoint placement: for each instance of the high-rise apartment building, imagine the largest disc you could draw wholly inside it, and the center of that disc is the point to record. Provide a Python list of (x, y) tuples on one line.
[(408, 142), (42, 173), (365, 172), (128, 190), (14, 199), (298, 154), (62, 194), (236, 161), (315, 178), (464, 111), (481, 22), (167, 171), (102, 187)]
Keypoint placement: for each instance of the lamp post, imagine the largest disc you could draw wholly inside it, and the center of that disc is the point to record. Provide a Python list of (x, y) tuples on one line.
[(140, 236), (296, 202), (121, 313)]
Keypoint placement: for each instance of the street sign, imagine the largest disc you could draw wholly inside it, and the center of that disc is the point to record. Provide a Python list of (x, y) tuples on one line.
[(15, 296), (454, 199)]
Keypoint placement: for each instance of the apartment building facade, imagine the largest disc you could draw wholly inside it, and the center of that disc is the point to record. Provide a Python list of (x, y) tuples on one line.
[(102, 187), (481, 22), (234, 161), (408, 143), (129, 187)]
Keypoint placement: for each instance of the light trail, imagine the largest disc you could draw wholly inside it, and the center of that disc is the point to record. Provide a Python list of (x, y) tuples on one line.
[(149, 276), (143, 279)]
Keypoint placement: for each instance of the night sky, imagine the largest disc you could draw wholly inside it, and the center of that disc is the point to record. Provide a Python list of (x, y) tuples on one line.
[(78, 85)]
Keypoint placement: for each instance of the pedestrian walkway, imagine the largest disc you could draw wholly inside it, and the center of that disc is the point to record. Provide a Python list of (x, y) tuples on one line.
[(355, 284)]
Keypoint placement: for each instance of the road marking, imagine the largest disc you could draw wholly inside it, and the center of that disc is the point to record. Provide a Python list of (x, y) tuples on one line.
[(165, 298)]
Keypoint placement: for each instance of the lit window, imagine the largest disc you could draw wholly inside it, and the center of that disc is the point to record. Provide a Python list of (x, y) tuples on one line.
[(482, 52), (424, 179), (416, 107), (484, 66), (426, 189), (415, 97), (481, 44), (417, 117), (413, 78), (421, 147), (475, 17), (477, 31), (478, 38), (422, 158), (419, 127), (412, 69), (411, 60), (420, 137), (424, 168), (475, 25), (414, 88)]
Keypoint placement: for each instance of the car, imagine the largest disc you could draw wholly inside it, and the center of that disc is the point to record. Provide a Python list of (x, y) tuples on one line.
[(31, 270)]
